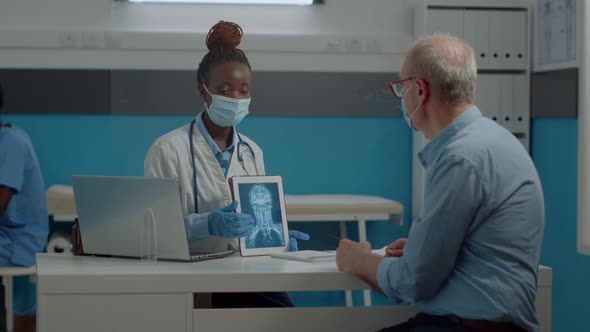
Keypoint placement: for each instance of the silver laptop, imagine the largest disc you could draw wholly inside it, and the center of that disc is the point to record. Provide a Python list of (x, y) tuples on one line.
[(112, 216)]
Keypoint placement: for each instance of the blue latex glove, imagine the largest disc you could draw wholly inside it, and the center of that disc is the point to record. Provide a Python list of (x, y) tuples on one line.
[(293, 237), (224, 222)]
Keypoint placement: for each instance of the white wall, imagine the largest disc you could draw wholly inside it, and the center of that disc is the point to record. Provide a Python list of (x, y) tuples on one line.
[(341, 35), (52, 14)]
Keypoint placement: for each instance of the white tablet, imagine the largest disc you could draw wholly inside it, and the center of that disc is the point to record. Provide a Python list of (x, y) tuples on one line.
[(263, 198)]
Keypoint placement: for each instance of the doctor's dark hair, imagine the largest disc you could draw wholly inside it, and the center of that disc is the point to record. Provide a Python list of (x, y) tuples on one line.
[(222, 42)]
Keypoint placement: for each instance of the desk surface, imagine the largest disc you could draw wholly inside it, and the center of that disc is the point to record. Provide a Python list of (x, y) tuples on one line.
[(60, 273)]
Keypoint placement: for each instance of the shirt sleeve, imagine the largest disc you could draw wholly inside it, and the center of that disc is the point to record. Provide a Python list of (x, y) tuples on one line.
[(454, 192), (13, 160), (197, 226)]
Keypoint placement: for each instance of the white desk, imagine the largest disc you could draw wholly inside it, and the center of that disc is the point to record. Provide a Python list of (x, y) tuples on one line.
[(343, 208), (301, 208), (103, 294)]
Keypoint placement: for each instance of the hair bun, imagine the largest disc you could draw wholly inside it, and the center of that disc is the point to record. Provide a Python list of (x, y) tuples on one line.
[(224, 35)]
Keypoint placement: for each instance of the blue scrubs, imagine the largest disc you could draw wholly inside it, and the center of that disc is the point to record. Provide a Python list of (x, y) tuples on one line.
[(24, 226)]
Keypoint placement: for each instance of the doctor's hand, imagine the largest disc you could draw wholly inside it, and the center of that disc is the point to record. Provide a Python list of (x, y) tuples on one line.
[(396, 248), (224, 222), (294, 236)]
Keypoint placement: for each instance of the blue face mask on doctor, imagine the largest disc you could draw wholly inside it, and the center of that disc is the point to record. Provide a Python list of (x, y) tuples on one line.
[(225, 111)]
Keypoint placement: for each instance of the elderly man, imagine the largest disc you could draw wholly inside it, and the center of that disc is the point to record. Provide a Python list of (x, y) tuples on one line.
[(470, 262)]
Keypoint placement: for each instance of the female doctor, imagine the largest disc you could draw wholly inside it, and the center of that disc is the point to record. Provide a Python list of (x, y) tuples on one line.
[(205, 153)]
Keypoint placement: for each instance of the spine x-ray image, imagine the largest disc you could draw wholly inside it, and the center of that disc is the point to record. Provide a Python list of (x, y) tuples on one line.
[(557, 22), (263, 204)]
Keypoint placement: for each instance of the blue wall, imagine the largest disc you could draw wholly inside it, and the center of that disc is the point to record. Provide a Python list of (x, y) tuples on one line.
[(334, 155), (314, 155), (555, 150)]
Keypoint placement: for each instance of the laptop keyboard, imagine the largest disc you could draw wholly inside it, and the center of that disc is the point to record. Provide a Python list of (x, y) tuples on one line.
[(199, 256)]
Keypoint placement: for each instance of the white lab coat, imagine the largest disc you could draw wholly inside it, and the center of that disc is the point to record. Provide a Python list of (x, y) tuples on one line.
[(169, 156)]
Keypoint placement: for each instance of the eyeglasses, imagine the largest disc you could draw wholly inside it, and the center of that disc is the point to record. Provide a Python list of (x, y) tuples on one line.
[(398, 86)]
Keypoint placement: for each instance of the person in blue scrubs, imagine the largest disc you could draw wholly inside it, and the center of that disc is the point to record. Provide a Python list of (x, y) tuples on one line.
[(470, 261), (24, 222)]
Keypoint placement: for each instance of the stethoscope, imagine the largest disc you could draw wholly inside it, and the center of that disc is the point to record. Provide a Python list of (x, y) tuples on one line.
[(240, 159)]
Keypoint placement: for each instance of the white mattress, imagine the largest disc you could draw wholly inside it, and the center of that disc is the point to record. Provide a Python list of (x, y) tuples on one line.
[(61, 204), (333, 204)]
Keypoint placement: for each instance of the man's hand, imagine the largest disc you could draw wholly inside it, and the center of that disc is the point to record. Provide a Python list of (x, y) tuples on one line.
[(350, 253), (356, 258), (396, 248)]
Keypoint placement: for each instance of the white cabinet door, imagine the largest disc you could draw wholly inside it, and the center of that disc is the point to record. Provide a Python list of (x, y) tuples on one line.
[(497, 40), (359, 319), (499, 37), (508, 42), (483, 96), (515, 31), (506, 118), (488, 90), (520, 102), (476, 24), (115, 312), (446, 21)]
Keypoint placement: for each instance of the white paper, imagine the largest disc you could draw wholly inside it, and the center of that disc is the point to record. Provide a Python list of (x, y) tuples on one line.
[(556, 31), (307, 255), (380, 252)]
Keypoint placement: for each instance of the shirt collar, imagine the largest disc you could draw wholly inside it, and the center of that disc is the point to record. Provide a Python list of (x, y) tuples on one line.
[(437, 143), (214, 148)]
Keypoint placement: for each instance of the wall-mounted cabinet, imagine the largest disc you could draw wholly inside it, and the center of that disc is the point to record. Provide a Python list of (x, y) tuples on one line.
[(499, 37)]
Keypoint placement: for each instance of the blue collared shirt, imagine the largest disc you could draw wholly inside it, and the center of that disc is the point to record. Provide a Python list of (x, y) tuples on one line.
[(223, 157), (198, 223), (475, 251), (25, 224)]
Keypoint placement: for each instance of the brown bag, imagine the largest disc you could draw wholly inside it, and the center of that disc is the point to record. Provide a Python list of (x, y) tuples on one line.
[(77, 247)]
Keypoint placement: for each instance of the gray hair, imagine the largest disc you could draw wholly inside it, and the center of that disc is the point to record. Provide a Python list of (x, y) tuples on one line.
[(447, 63)]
